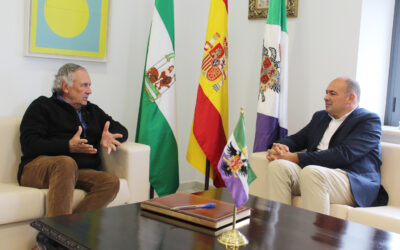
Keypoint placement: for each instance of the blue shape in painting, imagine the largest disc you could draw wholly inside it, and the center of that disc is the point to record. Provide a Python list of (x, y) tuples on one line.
[(88, 40)]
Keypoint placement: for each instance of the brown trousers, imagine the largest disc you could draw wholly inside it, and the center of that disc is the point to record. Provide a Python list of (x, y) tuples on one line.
[(60, 174)]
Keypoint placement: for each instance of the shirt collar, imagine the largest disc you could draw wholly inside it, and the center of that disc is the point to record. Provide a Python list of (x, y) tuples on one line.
[(59, 97)]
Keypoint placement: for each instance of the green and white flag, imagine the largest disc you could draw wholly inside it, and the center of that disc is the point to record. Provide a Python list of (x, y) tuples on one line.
[(157, 124), (272, 122)]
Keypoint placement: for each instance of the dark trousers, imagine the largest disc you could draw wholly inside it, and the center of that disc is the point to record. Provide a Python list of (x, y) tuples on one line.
[(60, 174)]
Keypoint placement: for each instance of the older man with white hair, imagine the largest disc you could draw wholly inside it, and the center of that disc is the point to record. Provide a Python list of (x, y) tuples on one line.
[(60, 138)]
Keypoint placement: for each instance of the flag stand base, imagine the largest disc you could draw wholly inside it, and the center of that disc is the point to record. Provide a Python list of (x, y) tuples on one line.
[(233, 238)]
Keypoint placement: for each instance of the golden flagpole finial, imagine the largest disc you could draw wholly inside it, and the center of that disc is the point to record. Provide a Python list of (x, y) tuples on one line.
[(242, 110)]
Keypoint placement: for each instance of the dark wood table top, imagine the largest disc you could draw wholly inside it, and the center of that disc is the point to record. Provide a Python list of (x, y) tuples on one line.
[(271, 226)]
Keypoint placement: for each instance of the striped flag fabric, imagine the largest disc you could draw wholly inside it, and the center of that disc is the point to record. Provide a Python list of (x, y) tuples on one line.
[(210, 123), (157, 125), (271, 123), (234, 165)]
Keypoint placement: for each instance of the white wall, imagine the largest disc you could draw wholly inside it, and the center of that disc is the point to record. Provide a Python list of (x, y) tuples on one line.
[(323, 44)]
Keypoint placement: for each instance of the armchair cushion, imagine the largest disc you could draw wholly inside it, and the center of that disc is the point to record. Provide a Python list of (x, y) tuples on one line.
[(10, 149), (383, 217), (20, 203)]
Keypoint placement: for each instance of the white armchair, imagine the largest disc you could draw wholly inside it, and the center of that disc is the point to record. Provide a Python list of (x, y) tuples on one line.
[(20, 205)]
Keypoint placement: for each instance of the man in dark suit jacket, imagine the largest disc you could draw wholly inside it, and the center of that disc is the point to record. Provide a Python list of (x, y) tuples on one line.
[(342, 160)]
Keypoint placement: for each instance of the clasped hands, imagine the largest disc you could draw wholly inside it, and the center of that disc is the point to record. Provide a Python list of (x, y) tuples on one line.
[(281, 151), (108, 141)]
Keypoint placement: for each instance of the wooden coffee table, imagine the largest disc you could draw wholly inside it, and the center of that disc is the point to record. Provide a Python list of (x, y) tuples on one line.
[(271, 226)]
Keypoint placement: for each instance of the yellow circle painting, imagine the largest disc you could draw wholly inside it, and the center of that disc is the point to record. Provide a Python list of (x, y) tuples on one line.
[(67, 18)]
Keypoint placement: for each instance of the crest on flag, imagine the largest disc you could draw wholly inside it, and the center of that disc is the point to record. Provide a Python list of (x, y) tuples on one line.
[(269, 72), (160, 77), (214, 64), (235, 161)]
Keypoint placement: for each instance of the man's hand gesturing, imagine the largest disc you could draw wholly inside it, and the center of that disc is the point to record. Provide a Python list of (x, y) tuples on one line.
[(108, 140), (78, 145)]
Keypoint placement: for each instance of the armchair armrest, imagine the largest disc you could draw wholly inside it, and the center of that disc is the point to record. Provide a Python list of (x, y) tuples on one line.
[(259, 164), (390, 171), (131, 162)]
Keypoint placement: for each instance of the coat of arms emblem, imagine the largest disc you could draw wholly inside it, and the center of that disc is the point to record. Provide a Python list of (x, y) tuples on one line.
[(214, 63), (160, 77), (269, 72), (236, 163)]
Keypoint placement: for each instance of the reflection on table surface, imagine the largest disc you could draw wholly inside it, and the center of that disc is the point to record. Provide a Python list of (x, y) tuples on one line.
[(272, 226)]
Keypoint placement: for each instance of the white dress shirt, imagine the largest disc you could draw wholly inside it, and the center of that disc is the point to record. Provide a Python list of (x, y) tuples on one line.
[(332, 127)]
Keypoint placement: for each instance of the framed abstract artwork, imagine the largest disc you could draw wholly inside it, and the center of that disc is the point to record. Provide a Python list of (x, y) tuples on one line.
[(259, 8), (69, 29)]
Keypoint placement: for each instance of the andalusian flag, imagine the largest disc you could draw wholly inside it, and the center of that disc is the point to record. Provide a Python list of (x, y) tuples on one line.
[(210, 122), (272, 98), (156, 125), (234, 165)]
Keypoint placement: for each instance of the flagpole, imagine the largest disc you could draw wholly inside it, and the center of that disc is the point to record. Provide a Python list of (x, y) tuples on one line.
[(234, 217), (151, 191), (207, 177)]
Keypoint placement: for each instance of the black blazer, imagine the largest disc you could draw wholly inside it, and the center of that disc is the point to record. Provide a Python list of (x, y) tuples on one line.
[(354, 147)]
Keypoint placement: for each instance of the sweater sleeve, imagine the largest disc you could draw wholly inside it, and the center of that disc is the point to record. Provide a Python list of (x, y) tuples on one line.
[(115, 126), (33, 133)]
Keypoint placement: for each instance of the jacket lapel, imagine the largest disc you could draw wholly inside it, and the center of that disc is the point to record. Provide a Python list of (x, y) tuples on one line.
[(344, 124), (319, 132)]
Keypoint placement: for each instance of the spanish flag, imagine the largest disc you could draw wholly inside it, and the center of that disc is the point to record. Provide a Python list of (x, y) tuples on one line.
[(210, 122)]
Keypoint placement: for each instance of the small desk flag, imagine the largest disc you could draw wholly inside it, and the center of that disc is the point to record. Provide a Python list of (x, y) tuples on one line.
[(234, 165)]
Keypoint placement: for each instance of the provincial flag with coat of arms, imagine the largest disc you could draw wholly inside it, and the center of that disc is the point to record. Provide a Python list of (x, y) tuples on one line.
[(234, 165), (157, 126), (210, 121), (271, 122)]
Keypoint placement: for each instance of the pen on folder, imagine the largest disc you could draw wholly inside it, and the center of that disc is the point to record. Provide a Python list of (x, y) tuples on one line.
[(207, 205)]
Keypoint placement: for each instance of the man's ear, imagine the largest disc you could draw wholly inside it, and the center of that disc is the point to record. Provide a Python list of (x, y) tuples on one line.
[(64, 87), (352, 98)]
